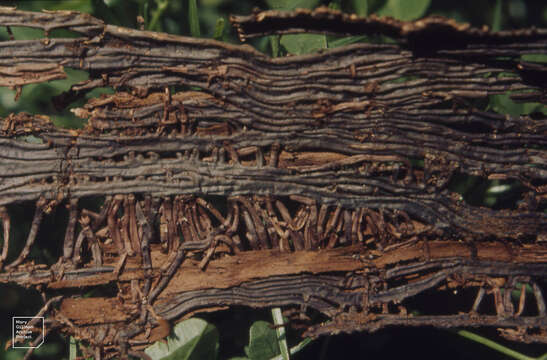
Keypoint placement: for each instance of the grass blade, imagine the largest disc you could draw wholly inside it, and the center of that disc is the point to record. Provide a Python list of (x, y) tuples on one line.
[(193, 18), (280, 330), (496, 21), (495, 346), (299, 347), (72, 349)]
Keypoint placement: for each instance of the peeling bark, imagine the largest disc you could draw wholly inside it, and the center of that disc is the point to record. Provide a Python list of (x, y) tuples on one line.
[(320, 181)]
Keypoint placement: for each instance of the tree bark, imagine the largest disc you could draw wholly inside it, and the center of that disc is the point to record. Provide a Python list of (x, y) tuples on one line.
[(323, 181)]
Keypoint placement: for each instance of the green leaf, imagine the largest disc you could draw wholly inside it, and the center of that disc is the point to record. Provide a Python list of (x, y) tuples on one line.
[(502, 104), (335, 5), (274, 45), (540, 58), (292, 4), (83, 6), (193, 18), (405, 9), (262, 341), (21, 33), (346, 41), (219, 29), (515, 293), (360, 7), (112, 3), (194, 339), (299, 44)]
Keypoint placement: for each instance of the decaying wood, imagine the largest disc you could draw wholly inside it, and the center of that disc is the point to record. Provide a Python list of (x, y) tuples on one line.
[(320, 181), (325, 20)]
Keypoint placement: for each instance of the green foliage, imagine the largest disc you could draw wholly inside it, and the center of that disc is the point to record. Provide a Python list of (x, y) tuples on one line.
[(516, 293), (496, 21), (503, 104), (299, 44), (161, 7), (37, 5), (193, 18), (262, 341), (540, 58), (219, 29), (194, 339), (292, 4), (360, 7), (405, 9), (498, 347), (269, 342), (346, 41), (274, 44), (399, 9)]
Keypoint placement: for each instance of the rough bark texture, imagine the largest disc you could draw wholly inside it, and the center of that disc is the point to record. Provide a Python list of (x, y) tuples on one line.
[(320, 181)]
